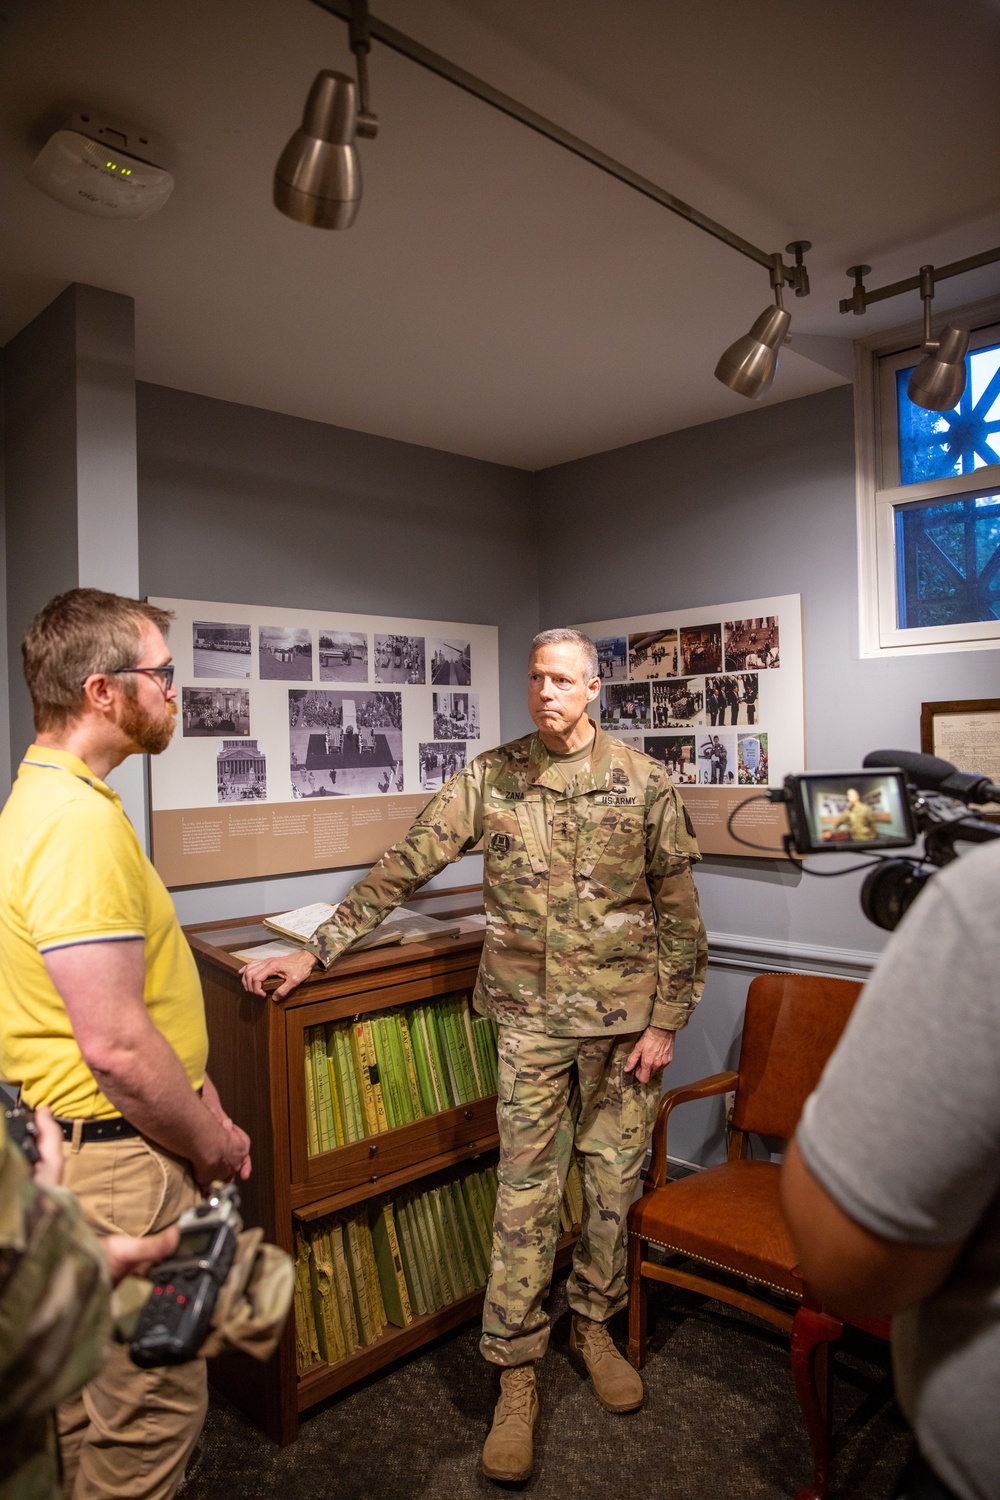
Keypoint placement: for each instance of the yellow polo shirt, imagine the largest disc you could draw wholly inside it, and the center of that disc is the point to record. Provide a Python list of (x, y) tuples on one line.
[(72, 871)]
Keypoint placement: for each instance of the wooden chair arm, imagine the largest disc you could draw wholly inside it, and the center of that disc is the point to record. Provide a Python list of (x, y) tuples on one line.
[(718, 1083)]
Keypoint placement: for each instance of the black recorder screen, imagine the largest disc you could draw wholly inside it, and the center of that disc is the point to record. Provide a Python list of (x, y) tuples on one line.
[(195, 1242), (856, 812)]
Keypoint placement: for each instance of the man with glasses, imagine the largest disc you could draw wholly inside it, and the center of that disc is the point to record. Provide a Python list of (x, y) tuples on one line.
[(101, 1012)]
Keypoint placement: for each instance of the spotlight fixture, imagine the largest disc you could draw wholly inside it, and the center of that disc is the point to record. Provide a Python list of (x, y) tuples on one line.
[(938, 381), (748, 367), (318, 177)]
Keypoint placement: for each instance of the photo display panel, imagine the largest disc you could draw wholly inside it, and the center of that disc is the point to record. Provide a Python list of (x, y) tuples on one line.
[(310, 739), (716, 695)]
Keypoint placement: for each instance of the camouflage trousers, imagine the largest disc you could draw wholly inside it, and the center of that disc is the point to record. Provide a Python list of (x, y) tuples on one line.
[(558, 1095)]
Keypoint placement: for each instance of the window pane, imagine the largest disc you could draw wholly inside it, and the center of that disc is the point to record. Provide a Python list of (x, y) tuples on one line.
[(948, 561), (935, 444)]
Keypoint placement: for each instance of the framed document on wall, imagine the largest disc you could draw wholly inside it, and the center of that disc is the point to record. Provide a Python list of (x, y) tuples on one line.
[(965, 732), (310, 739), (716, 694)]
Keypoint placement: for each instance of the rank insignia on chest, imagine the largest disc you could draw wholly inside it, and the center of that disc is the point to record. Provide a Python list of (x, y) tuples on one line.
[(500, 843)]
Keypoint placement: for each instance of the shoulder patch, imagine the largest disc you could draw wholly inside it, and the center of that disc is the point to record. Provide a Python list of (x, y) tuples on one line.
[(687, 821)]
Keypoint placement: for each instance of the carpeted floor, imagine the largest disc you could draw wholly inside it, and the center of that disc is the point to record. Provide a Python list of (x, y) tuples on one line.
[(720, 1423)]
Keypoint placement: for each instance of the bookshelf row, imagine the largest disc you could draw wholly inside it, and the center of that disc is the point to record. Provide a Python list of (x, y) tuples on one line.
[(378, 1072), (394, 1261)]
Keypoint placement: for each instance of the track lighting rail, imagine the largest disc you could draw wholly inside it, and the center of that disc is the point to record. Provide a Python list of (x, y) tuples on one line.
[(862, 297)]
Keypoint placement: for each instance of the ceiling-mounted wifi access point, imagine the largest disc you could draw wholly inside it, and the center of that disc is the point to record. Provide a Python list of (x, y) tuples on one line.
[(102, 167)]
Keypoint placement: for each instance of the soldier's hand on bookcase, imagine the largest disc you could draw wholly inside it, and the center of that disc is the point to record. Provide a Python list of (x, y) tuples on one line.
[(292, 969)]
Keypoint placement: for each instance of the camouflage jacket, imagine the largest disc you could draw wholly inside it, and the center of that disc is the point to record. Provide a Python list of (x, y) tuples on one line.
[(55, 1321), (592, 916)]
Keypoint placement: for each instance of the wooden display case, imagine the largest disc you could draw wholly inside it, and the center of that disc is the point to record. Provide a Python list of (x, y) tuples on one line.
[(256, 1061)]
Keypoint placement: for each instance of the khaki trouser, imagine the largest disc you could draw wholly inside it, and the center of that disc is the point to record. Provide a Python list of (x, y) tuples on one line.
[(130, 1432), (557, 1095)]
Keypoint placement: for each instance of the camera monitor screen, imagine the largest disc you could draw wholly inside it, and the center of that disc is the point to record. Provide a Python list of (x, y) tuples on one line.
[(856, 811)]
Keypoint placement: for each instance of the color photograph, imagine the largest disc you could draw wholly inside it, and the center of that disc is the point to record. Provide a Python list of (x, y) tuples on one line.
[(676, 752), (701, 649), (399, 658), (752, 643), (440, 760), (345, 744), (753, 759), (241, 771), (612, 658), (679, 703), (624, 705), (221, 650), (732, 699), (456, 716), (717, 760), (653, 653), (451, 663), (285, 654), (343, 656), (215, 711)]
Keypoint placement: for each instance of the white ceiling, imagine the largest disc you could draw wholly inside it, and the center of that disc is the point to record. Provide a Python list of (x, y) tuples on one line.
[(498, 297)]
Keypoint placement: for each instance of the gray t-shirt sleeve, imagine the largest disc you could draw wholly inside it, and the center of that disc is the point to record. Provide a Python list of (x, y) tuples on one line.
[(903, 1130)]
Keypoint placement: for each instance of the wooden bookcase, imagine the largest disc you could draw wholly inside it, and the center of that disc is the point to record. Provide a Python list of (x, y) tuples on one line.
[(256, 1061)]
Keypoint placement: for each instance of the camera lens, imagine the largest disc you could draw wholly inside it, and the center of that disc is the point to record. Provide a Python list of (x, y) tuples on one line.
[(890, 890)]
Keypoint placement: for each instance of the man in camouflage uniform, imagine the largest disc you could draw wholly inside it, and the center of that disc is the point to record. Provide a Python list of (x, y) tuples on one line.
[(594, 957), (858, 819)]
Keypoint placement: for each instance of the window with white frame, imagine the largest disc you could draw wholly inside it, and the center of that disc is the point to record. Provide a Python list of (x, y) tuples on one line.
[(929, 498)]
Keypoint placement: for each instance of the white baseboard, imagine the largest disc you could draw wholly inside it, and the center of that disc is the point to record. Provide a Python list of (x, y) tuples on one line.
[(733, 950)]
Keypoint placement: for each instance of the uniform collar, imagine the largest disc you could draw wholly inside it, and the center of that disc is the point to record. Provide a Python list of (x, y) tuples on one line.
[(45, 758), (590, 775)]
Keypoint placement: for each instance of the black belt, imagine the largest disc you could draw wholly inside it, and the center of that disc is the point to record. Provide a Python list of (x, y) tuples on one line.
[(98, 1130)]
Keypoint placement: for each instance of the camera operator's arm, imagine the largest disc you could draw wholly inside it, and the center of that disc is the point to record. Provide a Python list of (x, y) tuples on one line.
[(102, 987), (852, 1269)]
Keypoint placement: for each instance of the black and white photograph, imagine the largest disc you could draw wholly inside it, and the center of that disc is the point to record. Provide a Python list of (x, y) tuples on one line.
[(752, 644), (612, 658), (652, 653), (215, 711), (346, 744), (753, 759), (679, 703), (440, 760), (451, 663), (624, 705), (677, 753), (732, 699), (343, 656), (241, 771), (285, 654), (221, 650), (701, 649), (717, 759), (456, 716), (399, 658)]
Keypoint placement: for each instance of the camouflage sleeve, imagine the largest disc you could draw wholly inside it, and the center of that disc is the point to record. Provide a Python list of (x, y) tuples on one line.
[(450, 824), (682, 947), (54, 1319)]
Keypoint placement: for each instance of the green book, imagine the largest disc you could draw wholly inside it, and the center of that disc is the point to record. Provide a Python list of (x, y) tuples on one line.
[(386, 1071), (470, 1045), (408, 1113), (321, 1085), (306, 1337), (485, 1034), (325, 1300), (458, 1051), (439, 1056), (431, 1092), (470, 1242), (410, 1065), (451, 1256), (356, 1266), (348, 1081), (411, 1260), (336, 1093), (371, 1272), (427, 1235), (391, 1275), (312, 1125), (345, 1291), (484, 1218), (482, 1241)]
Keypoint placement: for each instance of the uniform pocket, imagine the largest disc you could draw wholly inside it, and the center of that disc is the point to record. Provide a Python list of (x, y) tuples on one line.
[(139, 1188)]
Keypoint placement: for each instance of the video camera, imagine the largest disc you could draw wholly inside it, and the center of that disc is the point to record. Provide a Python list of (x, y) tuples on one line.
[(895, 799)]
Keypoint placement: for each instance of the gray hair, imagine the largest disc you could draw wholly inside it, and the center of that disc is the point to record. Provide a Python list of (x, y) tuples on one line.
[(587, 649)]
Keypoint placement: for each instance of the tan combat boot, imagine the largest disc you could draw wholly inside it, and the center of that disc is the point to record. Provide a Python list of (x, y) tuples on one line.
[(507, 1453), (617, 1386)]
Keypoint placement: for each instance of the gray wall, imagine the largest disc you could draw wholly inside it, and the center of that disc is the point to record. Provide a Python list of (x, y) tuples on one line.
[(237, 504), (759, 504)]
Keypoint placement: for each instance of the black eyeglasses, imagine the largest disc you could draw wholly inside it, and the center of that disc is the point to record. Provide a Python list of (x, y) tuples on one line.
[(165, 674)]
